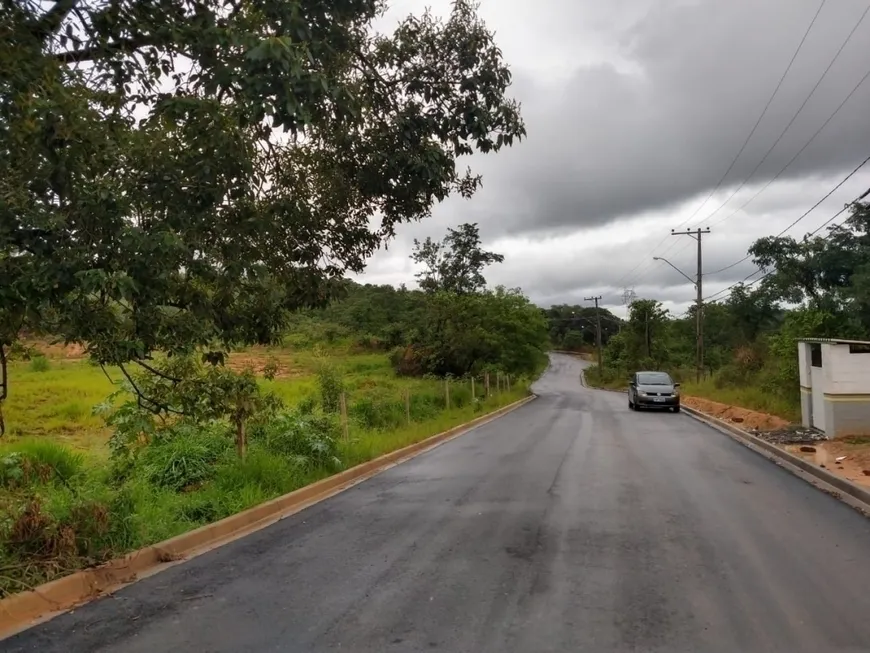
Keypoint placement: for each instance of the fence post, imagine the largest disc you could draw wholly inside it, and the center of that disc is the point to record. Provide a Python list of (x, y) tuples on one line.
[(408, 405), (472, 390), (486, 384), (447, 393), (508, 382), (344, 427)]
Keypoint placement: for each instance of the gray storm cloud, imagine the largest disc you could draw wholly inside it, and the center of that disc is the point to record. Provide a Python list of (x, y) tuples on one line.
[(636, 107)]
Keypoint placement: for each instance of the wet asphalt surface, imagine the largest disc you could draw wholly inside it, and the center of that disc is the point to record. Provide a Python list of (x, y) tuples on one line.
[(571, 524)]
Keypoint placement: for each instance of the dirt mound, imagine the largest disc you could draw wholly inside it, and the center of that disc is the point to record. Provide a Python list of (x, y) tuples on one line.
[(741, 417)]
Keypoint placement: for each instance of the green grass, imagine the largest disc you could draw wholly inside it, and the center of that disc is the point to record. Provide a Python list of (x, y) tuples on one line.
[(608, 379), (65, 505), (749, 396), (57, 403)]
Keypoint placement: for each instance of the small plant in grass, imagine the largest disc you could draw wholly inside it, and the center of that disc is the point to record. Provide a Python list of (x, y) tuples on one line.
[(39, 363), (331, 386), (307, 441)]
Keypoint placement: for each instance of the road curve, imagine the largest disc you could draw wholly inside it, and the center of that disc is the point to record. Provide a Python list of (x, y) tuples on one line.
[(571, 524)]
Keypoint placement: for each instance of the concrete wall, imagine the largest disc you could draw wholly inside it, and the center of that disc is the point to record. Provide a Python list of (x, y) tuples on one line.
[(835, 398), (804, 363), (806, 406), (847, 417), (845, 373)]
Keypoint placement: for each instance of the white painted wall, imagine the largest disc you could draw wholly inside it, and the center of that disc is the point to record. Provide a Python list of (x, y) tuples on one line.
[(818, 384), (845, 373), (804, 363)]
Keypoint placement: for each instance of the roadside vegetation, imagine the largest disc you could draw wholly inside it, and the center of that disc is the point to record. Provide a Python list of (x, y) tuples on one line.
[(186, 188), (817, 287)]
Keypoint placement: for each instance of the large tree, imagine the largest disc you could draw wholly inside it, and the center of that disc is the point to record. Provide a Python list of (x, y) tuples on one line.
[(179, 174), (455, 264), (829, 273)]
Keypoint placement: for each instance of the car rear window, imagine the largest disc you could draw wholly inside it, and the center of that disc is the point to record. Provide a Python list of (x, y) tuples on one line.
[(654, 378)]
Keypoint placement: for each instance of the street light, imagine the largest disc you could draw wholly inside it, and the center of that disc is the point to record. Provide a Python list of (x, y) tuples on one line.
[(664, 260)]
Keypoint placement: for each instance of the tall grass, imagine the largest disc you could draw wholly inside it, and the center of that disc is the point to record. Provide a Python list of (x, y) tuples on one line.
[(749, 395)]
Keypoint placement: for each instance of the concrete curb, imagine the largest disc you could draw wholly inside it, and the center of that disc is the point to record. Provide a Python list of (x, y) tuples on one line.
[(25, 609), (774, 453)]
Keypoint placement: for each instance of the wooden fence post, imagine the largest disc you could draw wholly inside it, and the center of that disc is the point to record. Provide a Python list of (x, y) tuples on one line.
[(447, 393), (344, 427), (486, 384), (472, 390), (408, 405)]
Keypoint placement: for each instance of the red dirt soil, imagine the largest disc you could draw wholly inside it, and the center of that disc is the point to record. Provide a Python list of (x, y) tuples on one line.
[(740, 417), (826, 453)]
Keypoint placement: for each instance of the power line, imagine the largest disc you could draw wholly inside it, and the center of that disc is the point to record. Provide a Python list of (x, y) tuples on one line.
[(745, 142), (791, 122), (800, 151), (812, 233), (764, 111), (811, 209)]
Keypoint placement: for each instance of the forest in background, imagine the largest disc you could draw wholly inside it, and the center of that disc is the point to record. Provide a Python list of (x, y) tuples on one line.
[(812, 287)]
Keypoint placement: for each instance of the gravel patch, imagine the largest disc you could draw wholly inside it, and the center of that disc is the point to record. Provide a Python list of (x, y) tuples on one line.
[(790, 435)]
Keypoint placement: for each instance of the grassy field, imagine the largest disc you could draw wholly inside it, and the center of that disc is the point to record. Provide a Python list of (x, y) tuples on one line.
[(66, 503)]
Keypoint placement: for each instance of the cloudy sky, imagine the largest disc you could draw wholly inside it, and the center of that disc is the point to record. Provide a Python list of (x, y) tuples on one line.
[(635, 109)]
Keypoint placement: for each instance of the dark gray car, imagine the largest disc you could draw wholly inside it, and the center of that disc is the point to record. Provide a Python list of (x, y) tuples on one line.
[(653, 390)]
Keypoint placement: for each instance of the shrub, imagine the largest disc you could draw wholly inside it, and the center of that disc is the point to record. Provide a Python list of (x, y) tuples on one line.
[(731, 375), (305, 441), (375, 412), (183, 455), (425, 405), (39, 363), (30, 461), (331, 386)]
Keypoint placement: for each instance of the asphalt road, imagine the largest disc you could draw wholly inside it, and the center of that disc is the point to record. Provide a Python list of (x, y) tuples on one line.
[(571, 524)]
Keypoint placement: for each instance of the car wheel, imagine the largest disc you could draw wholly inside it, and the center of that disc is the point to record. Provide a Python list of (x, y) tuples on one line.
[(676, 409), (630, 405)]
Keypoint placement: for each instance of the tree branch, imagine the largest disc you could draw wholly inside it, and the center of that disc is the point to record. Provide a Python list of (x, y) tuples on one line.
[(53, 18), (156, 407), (128, 46), (157, 372)]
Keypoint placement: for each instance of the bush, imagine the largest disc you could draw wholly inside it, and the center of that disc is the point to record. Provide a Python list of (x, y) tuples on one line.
[(39, 363), (305, 441), (425, 406), (183, 455), (731, 375), (378, 412), (32, 461), (331, 387)]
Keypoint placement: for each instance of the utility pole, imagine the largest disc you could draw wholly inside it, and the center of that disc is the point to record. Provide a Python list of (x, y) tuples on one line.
[(597, 327), (699, 320)]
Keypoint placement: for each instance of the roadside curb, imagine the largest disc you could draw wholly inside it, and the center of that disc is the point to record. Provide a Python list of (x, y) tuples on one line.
[(779, 456), (26, 609)]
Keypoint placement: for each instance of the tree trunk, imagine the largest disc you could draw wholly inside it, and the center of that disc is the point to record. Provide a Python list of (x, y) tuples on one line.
[(4, 388), (241, 438)]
